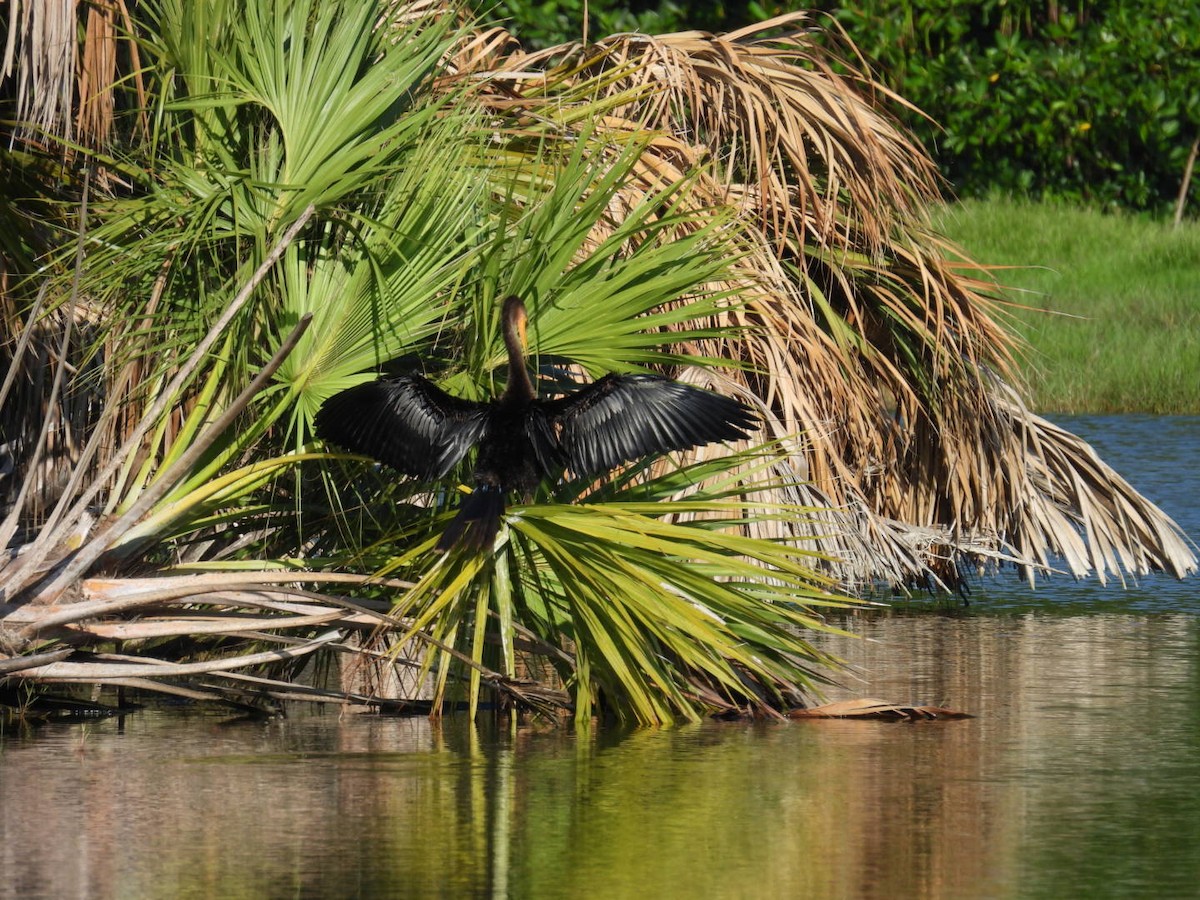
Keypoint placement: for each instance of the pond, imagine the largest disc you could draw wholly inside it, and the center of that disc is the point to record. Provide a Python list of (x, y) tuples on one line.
[(1079, 777)]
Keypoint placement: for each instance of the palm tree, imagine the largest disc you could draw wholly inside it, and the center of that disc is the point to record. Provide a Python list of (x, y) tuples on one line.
[(303, 193)]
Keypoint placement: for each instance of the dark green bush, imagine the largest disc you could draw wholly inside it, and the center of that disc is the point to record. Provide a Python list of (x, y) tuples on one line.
[(546, 24), (1098, 102)]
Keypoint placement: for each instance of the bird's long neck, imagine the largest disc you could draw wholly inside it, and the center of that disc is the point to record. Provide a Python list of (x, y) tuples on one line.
[(519, 386)]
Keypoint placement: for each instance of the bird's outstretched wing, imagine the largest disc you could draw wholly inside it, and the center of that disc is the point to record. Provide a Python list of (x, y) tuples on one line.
[(621, 418), (408, 423)]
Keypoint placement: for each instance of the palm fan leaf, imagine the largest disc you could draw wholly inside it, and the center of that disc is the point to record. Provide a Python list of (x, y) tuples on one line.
[(776, 114)]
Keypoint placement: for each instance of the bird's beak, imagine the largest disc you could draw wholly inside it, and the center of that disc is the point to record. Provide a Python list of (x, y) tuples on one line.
[(521, 323)]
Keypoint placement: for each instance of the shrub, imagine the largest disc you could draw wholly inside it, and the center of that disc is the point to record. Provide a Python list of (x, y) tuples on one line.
[(1098, 103)]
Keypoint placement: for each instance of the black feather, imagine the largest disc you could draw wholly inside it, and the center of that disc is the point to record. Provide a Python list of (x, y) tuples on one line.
[(477, 522), (622, 418), (409, 423)]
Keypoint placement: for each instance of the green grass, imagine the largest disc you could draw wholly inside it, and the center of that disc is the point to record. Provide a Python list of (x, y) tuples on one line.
[(1113, 302)]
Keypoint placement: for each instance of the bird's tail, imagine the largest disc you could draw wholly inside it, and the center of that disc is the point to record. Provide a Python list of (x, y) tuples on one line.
[(477, 521)]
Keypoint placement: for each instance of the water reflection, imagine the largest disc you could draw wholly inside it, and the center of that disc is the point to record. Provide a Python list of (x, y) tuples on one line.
[(1079, 778), (1085, 749)]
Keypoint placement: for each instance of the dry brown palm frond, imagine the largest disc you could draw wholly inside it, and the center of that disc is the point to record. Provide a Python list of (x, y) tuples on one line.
[(476, 51), (770, 106), (42, 54), (257, 609), (108, 26), (1085, 512), (882, 432), (65, 70)]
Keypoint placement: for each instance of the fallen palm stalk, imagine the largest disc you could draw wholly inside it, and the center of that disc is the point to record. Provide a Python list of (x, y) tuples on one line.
[(141, 612), (868, 708), (102, 667)]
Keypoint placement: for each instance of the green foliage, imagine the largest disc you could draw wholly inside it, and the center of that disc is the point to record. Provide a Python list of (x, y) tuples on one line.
[(1075, 101), (547, 24), (265, 114), (1107, 303), (662, 621)]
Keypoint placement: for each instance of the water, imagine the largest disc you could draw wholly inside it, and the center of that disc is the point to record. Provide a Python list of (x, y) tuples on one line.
[(1080, 776), (1157, 455)]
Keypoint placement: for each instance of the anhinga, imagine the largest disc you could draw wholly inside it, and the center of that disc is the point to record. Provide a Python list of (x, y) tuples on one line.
[(415, 427)]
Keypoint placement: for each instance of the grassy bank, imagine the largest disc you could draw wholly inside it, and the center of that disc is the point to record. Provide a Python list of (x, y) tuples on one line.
[(1113, 317)]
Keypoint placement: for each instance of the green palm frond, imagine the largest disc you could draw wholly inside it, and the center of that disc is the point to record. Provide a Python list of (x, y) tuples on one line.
[(605, 304), (382, 289), (650, 609), (263, 111)]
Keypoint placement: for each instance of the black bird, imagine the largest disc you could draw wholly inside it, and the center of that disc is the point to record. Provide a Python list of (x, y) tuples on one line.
[(418, 429)]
